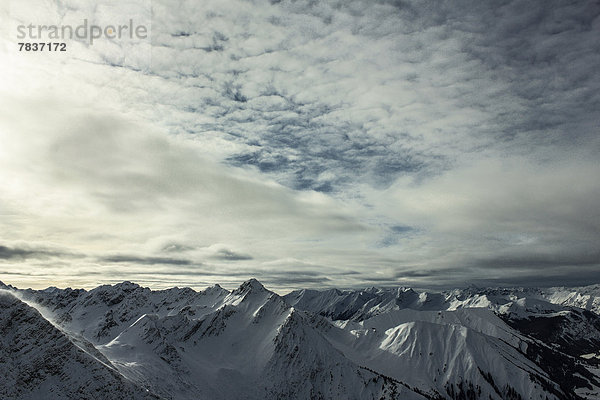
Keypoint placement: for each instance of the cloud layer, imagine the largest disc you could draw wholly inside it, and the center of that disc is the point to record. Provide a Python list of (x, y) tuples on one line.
[(307, 144)]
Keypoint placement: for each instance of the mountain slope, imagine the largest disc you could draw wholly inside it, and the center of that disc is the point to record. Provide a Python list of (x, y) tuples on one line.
[(253, 338), (390, 328), (38, 361), (251, 343)]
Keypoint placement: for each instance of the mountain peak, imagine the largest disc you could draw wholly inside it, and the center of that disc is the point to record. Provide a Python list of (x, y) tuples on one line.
[(214, 290), (127, 286), (253, 285)]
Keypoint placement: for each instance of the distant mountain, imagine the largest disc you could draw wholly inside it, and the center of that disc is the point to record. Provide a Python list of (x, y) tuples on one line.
[(251, 343), (540, 324)]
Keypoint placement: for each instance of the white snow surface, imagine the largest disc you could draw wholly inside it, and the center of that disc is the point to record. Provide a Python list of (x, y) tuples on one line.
[(251, 343)]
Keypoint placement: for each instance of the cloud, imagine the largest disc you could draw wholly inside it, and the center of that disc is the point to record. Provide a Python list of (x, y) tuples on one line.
[(174, 247), (24, 253), (409, 142), (109, 182), (371, 93), (229, 255), (502, 216), (543, 262), (145, 260), (578, 276)]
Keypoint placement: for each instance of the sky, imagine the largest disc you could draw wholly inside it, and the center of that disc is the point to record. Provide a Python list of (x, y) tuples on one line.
[(308, 144)]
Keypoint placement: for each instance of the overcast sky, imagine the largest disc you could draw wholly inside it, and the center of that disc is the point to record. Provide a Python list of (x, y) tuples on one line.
[(305, 143)]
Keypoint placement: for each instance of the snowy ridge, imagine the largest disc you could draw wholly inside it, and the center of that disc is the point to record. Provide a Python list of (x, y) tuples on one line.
[(537, 323), (444, 349), (251, 343), (587, 297), (39, 362)]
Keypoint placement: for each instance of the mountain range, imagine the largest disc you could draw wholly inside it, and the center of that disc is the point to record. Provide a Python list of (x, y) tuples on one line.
[(129, 342)]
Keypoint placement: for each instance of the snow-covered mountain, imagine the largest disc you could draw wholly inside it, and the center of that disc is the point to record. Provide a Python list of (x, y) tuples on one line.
[(251, 343), (540, 324), (39, 361)]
